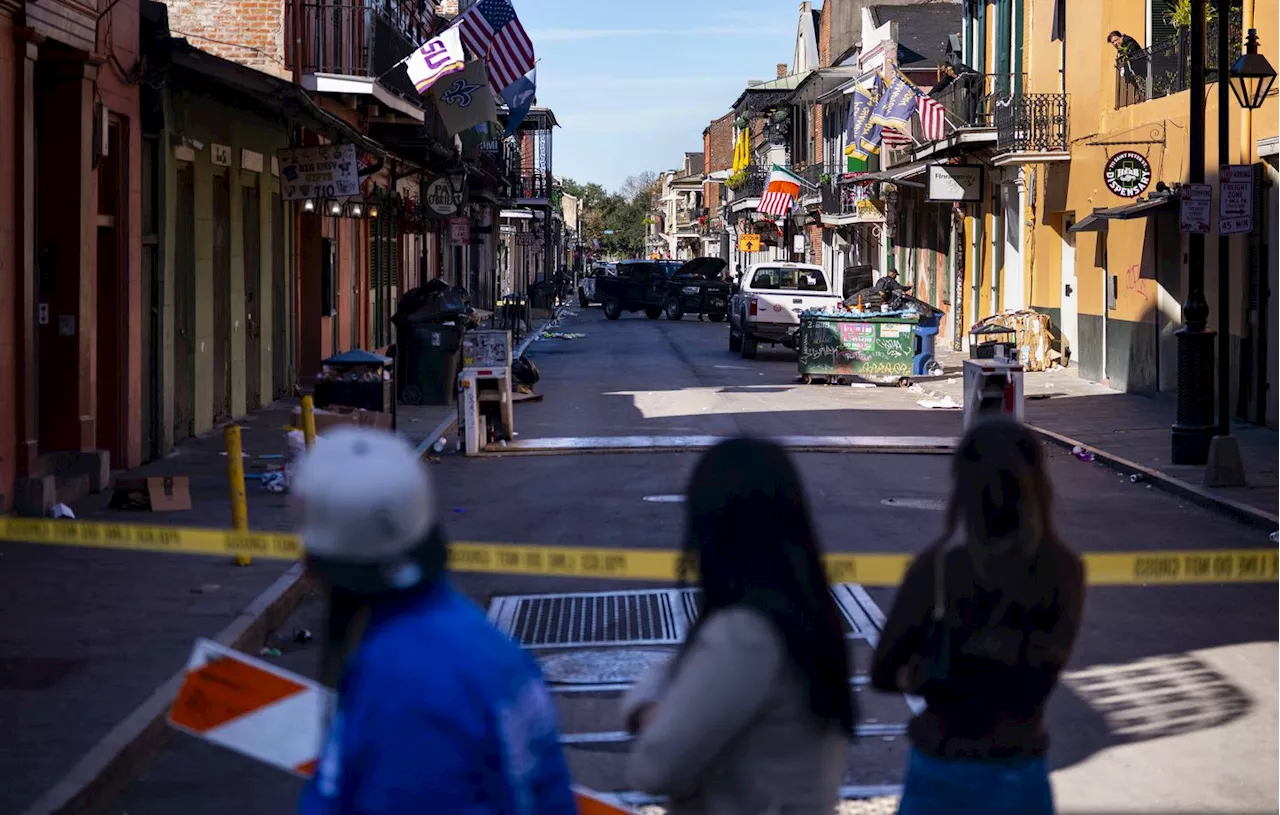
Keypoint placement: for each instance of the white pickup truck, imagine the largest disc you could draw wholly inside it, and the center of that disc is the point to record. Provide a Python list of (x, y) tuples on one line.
[(769, 301)]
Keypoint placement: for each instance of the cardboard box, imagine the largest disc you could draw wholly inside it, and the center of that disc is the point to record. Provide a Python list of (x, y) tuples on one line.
[(156, 494), (327, 418)]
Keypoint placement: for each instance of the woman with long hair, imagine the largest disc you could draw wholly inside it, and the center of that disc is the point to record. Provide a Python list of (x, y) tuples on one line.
[(982, 625), (754, 715)]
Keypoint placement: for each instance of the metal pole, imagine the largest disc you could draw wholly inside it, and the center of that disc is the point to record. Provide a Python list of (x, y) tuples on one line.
[(1193, 429), (1224, 241), (235, 475)]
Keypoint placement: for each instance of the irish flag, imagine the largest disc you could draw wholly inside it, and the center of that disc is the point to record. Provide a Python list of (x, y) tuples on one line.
[(780, 190)]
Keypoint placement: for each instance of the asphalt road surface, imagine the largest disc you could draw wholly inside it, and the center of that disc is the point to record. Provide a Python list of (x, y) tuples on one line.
[(1169, 704)]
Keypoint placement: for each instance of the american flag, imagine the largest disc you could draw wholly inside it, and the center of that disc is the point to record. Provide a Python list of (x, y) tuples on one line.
[(892, 137), (491, 31), (933, 118)]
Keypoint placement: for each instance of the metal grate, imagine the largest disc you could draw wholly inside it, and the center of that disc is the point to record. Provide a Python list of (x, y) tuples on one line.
[(624, 617), (594, 619)]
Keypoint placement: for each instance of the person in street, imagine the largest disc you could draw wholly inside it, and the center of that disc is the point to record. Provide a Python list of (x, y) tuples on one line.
[(437, 711), (982, 630), (1131, 60), (754, 714), (889, 289)]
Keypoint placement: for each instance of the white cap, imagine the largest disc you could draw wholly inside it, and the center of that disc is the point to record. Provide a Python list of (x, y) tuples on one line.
[(365, 498)]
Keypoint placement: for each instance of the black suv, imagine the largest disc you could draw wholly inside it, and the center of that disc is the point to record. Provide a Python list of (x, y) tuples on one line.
[(671, 287)]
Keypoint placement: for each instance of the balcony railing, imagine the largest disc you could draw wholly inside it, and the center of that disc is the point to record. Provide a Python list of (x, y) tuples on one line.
[(532, 185), (752, 188), (843, 199), (359, 38), (1032, 122), (1165, 68)]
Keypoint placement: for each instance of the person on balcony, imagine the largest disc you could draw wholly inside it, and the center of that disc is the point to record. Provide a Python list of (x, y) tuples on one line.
[(1131, 62), (964, 83)]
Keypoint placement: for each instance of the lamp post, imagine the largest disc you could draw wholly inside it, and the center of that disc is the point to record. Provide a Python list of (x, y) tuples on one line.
[(1250, 79), (1193, 428)]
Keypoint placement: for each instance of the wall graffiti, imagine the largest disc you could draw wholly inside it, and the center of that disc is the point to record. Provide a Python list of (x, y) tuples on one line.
[(1135, 282)]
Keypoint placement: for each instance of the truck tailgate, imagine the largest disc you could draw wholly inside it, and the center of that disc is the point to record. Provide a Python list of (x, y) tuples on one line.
[(786, 307)]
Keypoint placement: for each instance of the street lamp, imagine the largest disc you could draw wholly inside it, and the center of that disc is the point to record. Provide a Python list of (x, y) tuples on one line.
[(1251, 75)]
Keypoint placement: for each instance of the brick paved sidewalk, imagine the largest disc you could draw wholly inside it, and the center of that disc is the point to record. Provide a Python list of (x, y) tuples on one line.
[(1132, 427), (86, 636)]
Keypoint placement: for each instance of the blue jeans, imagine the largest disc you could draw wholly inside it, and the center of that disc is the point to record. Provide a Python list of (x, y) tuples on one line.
[(948, 786)]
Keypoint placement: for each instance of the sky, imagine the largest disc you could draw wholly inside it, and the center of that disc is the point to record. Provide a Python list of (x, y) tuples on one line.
[(634, 82)]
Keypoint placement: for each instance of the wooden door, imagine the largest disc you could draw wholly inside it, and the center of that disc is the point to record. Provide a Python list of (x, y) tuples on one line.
[(252, 212), (221, 298), (279, 304), (184, 313)]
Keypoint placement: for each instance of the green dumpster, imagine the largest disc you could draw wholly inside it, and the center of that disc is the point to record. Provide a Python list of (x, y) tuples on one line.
[(849, 345)]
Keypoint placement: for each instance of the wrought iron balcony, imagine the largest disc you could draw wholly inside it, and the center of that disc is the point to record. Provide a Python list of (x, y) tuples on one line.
[(532, 185), (1032, 123), (1165, 68), (364, 38), (752, 185)]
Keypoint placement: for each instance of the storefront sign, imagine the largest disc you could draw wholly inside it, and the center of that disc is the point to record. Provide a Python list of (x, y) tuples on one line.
[(868, 211), (328, 171), (954, 182), (749, 242), (1235, 199), (1128, 174), (440, 197), (525, 238), (1197, 207), (459, 231)]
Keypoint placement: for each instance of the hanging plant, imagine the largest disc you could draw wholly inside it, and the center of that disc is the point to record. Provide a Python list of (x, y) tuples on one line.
[(825, 178), (741, 122), (781, 115), (737, 180), (1178, 14)]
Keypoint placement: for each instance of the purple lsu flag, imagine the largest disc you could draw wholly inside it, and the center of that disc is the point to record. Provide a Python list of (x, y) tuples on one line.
[(437, 57)]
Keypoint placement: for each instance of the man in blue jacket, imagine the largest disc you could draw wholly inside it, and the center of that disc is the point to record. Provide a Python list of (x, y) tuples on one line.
[(437, 711)]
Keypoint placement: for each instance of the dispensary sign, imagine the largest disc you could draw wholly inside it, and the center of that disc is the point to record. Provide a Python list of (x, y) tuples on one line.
[(1128, 174)]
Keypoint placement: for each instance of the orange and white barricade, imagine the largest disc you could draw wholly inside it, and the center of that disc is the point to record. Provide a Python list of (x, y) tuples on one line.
[(252, 707)]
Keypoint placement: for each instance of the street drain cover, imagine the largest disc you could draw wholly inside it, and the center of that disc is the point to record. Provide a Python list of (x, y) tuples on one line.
[(933, 504), (601, 665)]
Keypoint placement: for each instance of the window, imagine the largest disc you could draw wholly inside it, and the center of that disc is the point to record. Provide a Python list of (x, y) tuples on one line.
[(789, 278)]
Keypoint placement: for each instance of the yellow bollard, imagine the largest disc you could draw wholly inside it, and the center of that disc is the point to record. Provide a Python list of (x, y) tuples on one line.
[(235, 474), (308, 421)]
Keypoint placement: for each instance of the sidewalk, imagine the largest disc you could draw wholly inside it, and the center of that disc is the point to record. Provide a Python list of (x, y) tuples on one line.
[(88, 636), (1129, 429)]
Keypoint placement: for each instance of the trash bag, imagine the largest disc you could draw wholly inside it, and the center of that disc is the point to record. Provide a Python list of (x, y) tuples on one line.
[(524, 371)]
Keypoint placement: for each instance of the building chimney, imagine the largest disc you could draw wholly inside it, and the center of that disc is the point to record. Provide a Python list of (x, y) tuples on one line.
[(782, 70)]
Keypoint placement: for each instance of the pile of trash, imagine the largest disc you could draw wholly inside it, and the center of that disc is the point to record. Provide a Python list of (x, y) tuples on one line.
[(1032, 334), (556, 335), (525, 374), (437, 302)]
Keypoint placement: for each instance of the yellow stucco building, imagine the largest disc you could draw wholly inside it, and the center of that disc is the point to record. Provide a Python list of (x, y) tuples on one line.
[(1076, 158)]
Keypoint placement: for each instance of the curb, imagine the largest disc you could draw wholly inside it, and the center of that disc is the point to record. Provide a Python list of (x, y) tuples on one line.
[(109, 767), (1198, 495)]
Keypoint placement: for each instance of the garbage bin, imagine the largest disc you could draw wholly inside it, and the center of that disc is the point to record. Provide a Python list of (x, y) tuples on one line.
[(926, 344), (837, 345), (428, 355)]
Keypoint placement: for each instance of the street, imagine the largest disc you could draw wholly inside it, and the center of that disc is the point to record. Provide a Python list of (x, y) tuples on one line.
[(1169, 704)]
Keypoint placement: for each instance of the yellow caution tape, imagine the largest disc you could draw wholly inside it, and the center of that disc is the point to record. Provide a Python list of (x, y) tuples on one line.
[(1104, 568)]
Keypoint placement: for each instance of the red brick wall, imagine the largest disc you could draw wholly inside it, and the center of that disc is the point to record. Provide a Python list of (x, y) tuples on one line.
[(711, 198), (718, 146), (250, 32), (824, 38), (813, 233)]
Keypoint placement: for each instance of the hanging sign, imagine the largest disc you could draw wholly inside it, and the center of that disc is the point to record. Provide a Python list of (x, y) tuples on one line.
[(1235, 199), (459, 231), (1127, 174), (439, 197), (328, 171), (954, 182)]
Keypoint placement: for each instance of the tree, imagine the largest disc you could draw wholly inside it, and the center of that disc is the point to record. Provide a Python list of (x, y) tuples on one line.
[(621, 213)]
